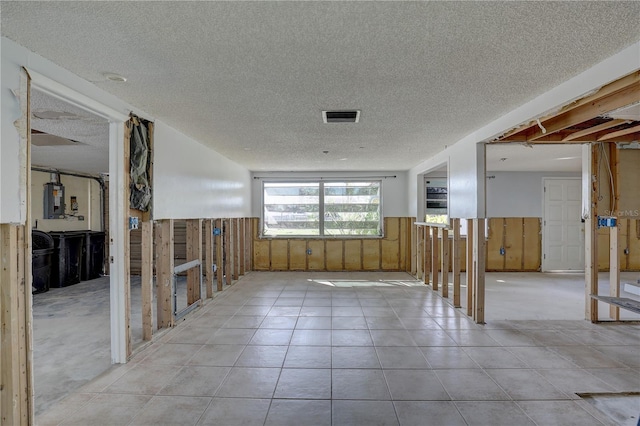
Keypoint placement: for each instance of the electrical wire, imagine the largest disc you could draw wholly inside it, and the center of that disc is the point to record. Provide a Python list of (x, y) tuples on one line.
[(613, 194)]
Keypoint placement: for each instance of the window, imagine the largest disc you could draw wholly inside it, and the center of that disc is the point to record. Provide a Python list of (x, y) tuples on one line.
[(436, 199), (344, 208)]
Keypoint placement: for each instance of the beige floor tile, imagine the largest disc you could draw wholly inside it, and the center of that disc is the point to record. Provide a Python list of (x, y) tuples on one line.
[(171, 410), (494, 413), (244, 382), (217, 355), (268, 337), (572, 381), (488, 357), (63, 409), (355, 413), (415, 385), (355, 357), (541, 357), (469, 385), (419, 413), (525, 385), (290, 412), (311, 338), (108, 409), (349, 323), (196, 381), (262, 356), (392, 338), (236, 411), (232, 336), (351, 338), (565, 413), (359, 384), (143, 379), (401, 357), (313, 323), (308, 357), (172, 354), (300, 383)]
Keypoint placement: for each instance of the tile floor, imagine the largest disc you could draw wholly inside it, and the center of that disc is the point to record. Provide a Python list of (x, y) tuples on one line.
[(368, 349)]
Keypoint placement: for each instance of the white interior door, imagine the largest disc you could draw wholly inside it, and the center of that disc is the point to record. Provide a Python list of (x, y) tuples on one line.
[(562, 227)]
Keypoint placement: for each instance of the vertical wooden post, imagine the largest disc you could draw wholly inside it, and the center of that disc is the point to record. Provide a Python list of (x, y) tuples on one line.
[(248, 241), (228, 251), (14, 359), (164, 270), (445, 262), (208, 257), (241, 243), (147, 280), (614, 270), (194, 251), (414, 252), (419, 252), (480, 251), (426, 253), (219, 256), (456, 262), (591, 238), (435, 258), (470, 268)]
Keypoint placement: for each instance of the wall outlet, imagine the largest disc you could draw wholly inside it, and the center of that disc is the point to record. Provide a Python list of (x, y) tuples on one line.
[(309, 251), (133, 223), (80, 217)]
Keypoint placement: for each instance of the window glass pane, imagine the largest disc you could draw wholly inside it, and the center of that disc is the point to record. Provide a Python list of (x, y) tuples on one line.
[(352, 208), (291, 209)]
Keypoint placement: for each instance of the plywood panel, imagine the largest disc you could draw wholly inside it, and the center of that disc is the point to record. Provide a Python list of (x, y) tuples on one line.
[(261, 255), (353, 255), (392, 228), (405, 263), (335, 255), (279, 255), (629, 173), (532, 249), (495, 261), (513, 243), (371, 255), (463, 253), (297, 255), (316, 258)]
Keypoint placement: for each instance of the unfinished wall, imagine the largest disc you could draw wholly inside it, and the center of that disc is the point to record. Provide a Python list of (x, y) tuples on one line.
[(88, 194), (390, 253)]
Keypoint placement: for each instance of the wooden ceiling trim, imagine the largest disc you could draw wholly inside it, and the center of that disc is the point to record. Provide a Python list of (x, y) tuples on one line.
[(595, 129), (598, 103), (619, 133)]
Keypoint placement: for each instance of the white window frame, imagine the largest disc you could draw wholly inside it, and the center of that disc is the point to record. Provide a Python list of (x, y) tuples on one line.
[(321, 183)]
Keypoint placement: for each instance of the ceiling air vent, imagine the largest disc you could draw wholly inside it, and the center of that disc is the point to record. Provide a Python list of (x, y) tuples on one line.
[(340, 116)]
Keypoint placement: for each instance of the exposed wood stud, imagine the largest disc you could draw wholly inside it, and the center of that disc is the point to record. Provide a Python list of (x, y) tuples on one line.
[(227, 251), (147, 280), (419, 252), (617, 134), (194, 252), (614, 238), (594, 129), (591, 241), (208, 257), (427, 254), (164, 271), (445, 262), (479, 253), (241, 243), (469, 271), (435, 259), (456, 262), (219, 256)]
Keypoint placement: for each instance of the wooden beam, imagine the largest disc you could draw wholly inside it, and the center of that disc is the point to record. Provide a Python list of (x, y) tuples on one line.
[(595, 129), (248, 237), (164, 270), (445, 262), (604, 92), (194, 252), (591, 240), (469, 268), (227, 251), (219, 239), (147, 280), (614, 241), (456, 262), (613, 101), (11, 404), (419, 252), (619, 133), (236, 251), (479, 261), (427, 254), (208, 257), (241, 243), (435, 259)]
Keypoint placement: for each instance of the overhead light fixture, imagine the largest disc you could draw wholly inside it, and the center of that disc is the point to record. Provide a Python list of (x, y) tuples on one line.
[(503, 159), (114, 77), (347, 116)]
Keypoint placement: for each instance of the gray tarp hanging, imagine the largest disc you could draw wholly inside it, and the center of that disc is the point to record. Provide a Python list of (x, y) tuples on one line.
[(140, 198)]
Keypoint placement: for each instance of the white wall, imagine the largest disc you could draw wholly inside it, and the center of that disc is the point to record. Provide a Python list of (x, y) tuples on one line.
[(394, 194), (463, 158), (518, 194), (193, 181)]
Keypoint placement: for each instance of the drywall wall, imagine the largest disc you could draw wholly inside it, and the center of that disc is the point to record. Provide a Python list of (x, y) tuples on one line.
[(518, 194), (394, 194), (462, 152), (193, 181), (88, 195)]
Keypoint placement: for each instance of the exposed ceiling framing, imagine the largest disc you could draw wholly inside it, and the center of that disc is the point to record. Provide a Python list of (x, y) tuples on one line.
[(590, 119)]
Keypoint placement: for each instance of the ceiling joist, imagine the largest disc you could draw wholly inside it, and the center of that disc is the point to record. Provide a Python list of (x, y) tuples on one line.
[(619, 133), (595, 129)]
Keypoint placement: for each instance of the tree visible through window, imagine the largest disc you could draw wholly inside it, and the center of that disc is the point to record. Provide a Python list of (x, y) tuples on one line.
[(322, 208)]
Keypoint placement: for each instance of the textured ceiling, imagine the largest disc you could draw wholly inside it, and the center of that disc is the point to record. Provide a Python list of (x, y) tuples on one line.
[(534, 158), (90, 155), (250, 79)]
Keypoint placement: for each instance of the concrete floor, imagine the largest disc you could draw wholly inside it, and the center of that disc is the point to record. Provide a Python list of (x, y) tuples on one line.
[(358, 348)]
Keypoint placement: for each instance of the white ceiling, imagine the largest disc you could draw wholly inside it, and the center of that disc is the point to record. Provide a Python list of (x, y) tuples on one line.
[(533, 158), (250, 79)]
